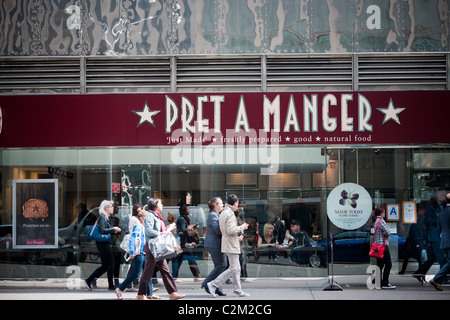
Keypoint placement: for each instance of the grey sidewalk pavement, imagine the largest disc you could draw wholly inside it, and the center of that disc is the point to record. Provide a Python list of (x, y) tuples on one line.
[(268, 289)]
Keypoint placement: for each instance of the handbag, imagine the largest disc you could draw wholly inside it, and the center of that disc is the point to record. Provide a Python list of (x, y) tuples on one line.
[(377, 250), (162, 247), (94, 234), (125, 244)]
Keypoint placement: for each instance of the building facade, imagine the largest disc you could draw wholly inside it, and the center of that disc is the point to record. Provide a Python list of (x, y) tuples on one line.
[(279, 102)]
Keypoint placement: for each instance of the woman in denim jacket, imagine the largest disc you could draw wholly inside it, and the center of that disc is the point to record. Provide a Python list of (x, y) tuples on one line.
[(154, 225)]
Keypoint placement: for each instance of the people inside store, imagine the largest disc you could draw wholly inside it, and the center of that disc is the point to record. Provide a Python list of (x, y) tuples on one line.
[(243, 244), (189, 242), (297, 239), (183, 220), (83, 212), (268, 242), (182, 223), (279, 230), (433, 236)]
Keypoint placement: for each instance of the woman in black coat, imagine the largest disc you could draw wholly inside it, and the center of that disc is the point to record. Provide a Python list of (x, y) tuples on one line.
[(106, 226)]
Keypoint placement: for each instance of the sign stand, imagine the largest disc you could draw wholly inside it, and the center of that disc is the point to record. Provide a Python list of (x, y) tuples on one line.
[(332, 286)]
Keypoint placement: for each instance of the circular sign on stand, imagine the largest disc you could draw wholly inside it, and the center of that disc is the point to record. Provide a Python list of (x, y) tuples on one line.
[(349, 206)]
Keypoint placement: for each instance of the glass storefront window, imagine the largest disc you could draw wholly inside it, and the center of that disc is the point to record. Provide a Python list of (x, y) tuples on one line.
[(291, 200)]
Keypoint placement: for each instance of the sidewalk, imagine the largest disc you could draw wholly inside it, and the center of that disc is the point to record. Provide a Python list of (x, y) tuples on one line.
[(268, 289)]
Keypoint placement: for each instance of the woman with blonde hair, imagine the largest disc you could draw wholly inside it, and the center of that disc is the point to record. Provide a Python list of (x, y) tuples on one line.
[(268, 241), (105, 222)]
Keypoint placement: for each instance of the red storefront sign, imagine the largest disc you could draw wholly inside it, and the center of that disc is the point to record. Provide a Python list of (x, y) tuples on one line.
[(287, 118)]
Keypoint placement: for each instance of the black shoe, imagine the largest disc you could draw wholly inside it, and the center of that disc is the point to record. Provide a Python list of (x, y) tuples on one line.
[(220, 293), (388, 286), (206, 289), (419, 277), (88, 285)]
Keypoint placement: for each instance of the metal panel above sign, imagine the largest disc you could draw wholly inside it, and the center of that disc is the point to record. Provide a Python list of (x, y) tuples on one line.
[(139, 28)]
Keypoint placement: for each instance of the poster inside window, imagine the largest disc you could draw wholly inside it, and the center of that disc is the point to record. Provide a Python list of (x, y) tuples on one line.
[(35, 214)]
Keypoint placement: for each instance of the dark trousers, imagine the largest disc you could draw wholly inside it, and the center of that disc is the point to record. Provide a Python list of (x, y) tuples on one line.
[(413, 250), (435, 253), (445, 269), (385, 265), (220, 265), (146, 276), (107, 257)]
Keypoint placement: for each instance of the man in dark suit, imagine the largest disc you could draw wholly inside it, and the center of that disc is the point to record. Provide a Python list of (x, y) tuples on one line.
[(213, 243), (433, 236), (444, 221)]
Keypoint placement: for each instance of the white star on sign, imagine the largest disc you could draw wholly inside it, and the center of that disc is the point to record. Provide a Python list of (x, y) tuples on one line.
[(146, 115), (391, 113)]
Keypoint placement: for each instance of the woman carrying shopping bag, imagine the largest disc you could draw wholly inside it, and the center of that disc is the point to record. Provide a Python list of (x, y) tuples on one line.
[(154, 226)]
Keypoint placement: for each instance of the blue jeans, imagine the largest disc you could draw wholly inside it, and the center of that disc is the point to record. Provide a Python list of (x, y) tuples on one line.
[(442, 273), (137, 265), (176, 264)]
